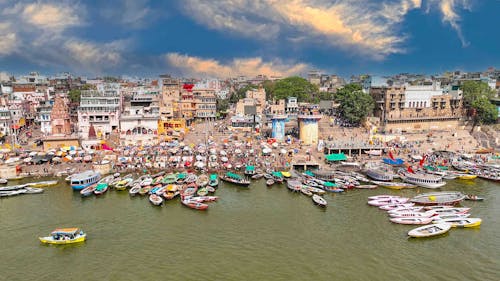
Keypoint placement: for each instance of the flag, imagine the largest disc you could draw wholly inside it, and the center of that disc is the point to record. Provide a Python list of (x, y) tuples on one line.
[(105, 147), (422, 161), (390, 155), (410, 170)]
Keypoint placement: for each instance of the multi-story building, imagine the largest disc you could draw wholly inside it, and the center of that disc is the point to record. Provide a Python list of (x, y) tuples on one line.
[(43, 117), (259, 95), (205, 104), (422, 107), (100, 108), (5, 121), (59, 118), (291, 106), (139, 120), (170, 96), (277, 107), (242, 103)]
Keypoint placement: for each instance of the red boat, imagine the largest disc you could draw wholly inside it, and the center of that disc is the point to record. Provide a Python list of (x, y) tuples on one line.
[(194, 204)]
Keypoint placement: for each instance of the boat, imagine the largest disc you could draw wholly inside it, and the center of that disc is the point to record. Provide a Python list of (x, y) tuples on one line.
[(379, 174), (155, 199), (171, 178), (390, 201), (464, 176), (33, 190), (12, 187), (257, 176), (406, 209), (249, 170), (144, 190), (294, 185), (101, 188), (210, 189), (471, 197), (391, 207), (189, 191), (436, 219), (122, 185), (462, 222), (449, 211), (12, 192), (429, 230), (135, 189), (147, 181), (411, 220), (193, 204), (378, 197), (202, 180), (87, 191), (286, 174), (319, 200), (305, 190), (423, 180), (3, 181), (403, 214), (394, 185), (316, 190), (366, 186), (202, 191), (438, 198), (236, 179), (42, 183), (277, 177), (213, 180), (269, 182), (62, 236), (84, 179)]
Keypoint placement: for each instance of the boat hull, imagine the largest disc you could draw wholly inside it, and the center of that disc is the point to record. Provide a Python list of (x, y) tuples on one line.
[(50, 240)]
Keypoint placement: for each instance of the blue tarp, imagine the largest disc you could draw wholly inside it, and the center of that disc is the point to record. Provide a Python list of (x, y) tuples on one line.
[(395, 162)]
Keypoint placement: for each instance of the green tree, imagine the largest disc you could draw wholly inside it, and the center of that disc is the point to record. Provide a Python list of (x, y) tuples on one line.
[(222, 105), (235, 97), (473, 90), (486, 112), (295, 87), (74, 95), (355, 105)]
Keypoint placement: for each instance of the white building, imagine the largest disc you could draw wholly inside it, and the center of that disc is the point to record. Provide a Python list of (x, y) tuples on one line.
[(139, 120), (43, 118), (420, 96), (5, 121), (100, 108)]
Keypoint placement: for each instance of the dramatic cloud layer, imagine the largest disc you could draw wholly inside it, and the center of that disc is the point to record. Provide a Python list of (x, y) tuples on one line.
[(449, 9), (251, 67)]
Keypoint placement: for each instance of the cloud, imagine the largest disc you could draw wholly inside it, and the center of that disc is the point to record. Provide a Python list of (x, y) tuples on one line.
[(51, 17), (251, 67), (370, 27), (8, 39), (91, 54), (448, 9), (131, 13)]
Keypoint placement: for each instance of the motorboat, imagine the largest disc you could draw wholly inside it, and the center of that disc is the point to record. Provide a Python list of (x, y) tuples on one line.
[(62, 236), (462, 222), (423, 180), (84, 179), (430, 230)]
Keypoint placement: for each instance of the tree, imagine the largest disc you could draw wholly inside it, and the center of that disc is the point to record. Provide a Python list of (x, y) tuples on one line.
[(74, 95), (473, 90), (222, 105), (355, 105), (486, 112), (294, 87), (235, 97)]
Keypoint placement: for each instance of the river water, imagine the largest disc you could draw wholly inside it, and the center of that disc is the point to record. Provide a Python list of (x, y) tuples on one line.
[(256, 234)]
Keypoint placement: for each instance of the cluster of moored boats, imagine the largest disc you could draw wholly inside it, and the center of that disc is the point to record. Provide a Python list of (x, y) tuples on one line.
[(27, 188), (436, 211)]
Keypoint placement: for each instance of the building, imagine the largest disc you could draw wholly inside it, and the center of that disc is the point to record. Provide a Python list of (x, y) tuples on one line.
[(139, 120), (205, 104), (59, 118), (259, 95), (5, 121), (244, 103), (43, 117), (170, 96), (277, 107), (101, 109), (291, 106), (421, 107)]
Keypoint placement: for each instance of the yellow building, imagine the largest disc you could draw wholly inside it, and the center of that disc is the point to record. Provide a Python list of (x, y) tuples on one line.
[(308, 128), (172, 127)]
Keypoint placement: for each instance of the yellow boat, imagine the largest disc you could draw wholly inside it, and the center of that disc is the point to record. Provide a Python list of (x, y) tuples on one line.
[(42, 183), (63, 236), (286, 174), (466, 176)]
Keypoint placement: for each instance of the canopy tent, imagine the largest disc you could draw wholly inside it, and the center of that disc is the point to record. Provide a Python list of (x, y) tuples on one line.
[(250, 168), (335, 157), (233, 175)]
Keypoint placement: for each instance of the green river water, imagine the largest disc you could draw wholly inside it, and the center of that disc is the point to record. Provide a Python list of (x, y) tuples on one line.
[(258, 233)]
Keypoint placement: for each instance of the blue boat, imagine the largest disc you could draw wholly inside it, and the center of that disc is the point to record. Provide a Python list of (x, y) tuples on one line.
[(394, 162), (84, 179)]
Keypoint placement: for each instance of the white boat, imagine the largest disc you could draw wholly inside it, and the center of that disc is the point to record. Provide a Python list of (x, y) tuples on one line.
[(406, 209), (377, 197), (147, 181), (411, 220), (381, 202), (84, 179), (438, 198), (423, 180), (155, 199), (319, 200), (462, 222), (448, 211), (135, 189), (430, 230), (427, 214), (395, 206), (435, 219)]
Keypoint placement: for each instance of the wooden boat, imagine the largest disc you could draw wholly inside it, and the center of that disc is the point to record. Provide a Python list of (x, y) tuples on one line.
[(423, 180), (42, 183), (12, 192), (394, 185), (89, 190), (366, 186), (155, 199), (62, 236), (202, 191), (379, 174), (436, 219), (269, 182), (193, 204), (144, 190), (170, 178), (189, 191), (464, 176), (395, 206), (294, 185), (438, 198), (462, 222), (429, 230), (210, 189), (101, 188), (471, 197), (213, 180), (305, 190), (134, 189), (268, 176), (319, 200), (236, 179), (286, 174), (427, 214), (257, 176), (82, 180), (146, 181), (122, 185), (391, 201), (202, 180), (33, 190), (3, 181), (411, 220)]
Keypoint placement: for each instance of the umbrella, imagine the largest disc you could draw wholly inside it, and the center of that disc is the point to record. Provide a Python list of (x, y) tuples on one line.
[(224, 159), (223, 153)]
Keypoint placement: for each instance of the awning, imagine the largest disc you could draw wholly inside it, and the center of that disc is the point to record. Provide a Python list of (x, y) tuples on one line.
[(336, 157)]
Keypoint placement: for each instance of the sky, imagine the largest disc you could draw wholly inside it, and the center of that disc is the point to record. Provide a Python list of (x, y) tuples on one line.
[(228, 38)]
